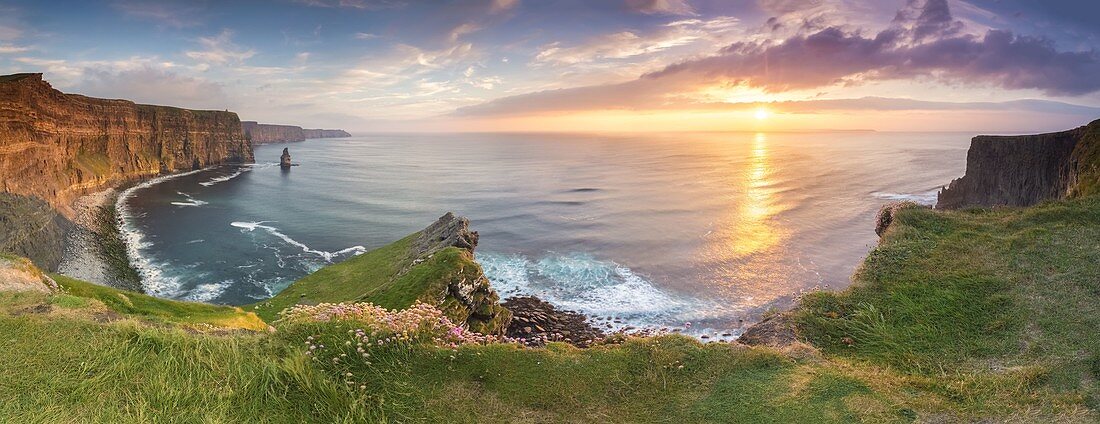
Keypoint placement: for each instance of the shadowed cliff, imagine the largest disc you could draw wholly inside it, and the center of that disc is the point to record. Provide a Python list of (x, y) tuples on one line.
[(1026, 170)]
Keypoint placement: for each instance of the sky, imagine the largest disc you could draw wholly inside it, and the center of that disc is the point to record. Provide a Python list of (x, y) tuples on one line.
[(579, 65)]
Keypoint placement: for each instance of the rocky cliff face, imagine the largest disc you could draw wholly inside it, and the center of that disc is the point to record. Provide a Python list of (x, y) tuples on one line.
[(1025, 170), (270, 133), (58, 146), (55, 147), (467, 296), (318, 133)]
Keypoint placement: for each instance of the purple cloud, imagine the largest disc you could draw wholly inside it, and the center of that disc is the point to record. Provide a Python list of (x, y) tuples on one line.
[(923, 42)]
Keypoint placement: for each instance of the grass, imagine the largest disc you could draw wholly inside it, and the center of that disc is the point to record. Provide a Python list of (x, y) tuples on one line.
[(1005, 295), (957, 316), (346, 281), (388, 278), (156, 309)]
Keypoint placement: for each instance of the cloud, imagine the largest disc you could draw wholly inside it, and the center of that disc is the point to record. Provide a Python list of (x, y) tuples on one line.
[(355, 4), (628, 44), (498, 6), (922, 44), (904, 104), (220, 49), (156, 86), (782, 7), (661, 7), (11, 48), (173, 14)]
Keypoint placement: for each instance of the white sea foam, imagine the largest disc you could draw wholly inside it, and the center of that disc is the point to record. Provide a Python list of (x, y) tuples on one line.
[(328, 256), (152, 278), (191, 201), (925, 198), (236, 173), (223, 178), (600, 288), (208, 291)]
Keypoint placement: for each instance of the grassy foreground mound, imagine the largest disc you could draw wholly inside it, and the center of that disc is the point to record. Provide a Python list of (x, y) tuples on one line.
[(956, 317), (434, 266)]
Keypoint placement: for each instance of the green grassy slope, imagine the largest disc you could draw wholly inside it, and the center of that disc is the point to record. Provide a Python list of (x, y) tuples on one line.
[(957, 316), (1006, 297), (347, 281), (387, 277), (126, 303)]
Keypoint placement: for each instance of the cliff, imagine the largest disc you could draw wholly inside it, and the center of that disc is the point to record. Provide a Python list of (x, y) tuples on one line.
[(56, 147), (319, 133), (271, 133), (1027, 169), (434, 266)]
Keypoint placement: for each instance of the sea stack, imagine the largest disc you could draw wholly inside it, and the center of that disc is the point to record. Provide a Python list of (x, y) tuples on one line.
[(284, 160)]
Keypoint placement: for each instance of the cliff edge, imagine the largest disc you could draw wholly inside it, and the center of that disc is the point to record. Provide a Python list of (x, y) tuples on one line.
[(1027, 169), (56, 147), (259, 133), (435, 266)]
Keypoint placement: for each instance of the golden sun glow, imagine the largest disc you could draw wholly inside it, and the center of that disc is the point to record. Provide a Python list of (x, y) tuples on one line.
[(761, 114)]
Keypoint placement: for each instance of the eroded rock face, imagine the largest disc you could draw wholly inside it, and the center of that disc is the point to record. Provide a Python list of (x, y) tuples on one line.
[(19, 274), (57, 146), (1020, 170), (29, 227), (284, 160), (468, 294), (446, 231), (775, 331), (270, 133)]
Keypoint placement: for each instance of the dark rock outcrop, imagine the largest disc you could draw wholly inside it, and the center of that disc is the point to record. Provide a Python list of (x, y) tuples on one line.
[(446, 231), (468, 294), (284, 160), (270, 133), (1025, 170), (30, 228), (775, 331), (535, 322)]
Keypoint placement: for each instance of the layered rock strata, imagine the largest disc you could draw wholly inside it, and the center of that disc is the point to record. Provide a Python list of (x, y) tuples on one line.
[(56, 147)]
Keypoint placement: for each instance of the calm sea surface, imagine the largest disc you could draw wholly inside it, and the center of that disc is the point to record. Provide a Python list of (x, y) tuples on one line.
[(653, 230)]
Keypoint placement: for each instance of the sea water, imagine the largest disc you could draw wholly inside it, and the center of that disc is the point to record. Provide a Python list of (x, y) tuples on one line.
[(645, 231)]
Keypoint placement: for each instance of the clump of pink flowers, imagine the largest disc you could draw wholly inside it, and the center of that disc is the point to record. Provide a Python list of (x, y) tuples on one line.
[(420, 322)]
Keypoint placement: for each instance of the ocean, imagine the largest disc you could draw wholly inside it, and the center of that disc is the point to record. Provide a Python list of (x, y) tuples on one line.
[(647, 231)]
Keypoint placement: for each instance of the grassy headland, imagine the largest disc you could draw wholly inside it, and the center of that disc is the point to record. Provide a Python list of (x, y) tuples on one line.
[(957, 316)]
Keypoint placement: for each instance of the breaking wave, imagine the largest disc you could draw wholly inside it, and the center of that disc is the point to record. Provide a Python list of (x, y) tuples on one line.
[(236, 173), (612, 295), (191, 201), (208, 291), (328, 256), (152, 278)]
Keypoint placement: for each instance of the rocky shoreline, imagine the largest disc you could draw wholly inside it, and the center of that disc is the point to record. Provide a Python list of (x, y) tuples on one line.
[(94, 251)]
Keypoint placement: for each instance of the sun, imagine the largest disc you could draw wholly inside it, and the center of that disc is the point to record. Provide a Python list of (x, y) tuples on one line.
[(761, 114)]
